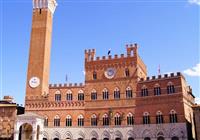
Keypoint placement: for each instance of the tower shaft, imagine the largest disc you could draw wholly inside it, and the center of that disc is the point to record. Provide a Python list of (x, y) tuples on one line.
[(40, 47)]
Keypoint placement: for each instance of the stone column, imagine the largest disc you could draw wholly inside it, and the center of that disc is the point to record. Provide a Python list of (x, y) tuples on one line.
[(16, 135), (34, 135)]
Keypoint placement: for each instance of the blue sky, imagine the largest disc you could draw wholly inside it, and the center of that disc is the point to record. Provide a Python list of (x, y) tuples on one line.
[(167, 32)]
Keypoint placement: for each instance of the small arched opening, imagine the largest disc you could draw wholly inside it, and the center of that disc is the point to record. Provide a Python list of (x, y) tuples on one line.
[(25, 132)]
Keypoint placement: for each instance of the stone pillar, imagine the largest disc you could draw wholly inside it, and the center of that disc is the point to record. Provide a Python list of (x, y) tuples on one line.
[(16, 135), (34, 135)]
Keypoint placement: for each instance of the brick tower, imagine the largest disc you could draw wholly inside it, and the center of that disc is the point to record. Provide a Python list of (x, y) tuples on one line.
[(40, 46)]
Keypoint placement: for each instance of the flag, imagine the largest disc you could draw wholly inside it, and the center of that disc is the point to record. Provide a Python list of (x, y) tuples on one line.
[(109, 51), (159, 69)]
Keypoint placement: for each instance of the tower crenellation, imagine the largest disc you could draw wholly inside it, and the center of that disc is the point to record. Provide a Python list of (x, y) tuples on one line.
[(132, 49), (90, 54), (161, 77), (44, 4)]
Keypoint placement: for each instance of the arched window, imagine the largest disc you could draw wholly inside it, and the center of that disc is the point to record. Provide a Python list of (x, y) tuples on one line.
[(129, 93), (173, 117), (56, 120), (94, 95), (69, 96), (58, 96), (130, 119), (117, 119), (146, 118), (46, 121), (105, 120), (130, 138), (159, 117), (175, 138), (80, 95), (170, 88), (93, 120), (105, 94), (144, 91), (127, 73), (80, 120), (157, 90), (94, 75), (68, 121), (116, 93), (147, 138)]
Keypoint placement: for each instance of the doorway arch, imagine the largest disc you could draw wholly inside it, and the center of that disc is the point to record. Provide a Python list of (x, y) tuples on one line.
[(25, 132)]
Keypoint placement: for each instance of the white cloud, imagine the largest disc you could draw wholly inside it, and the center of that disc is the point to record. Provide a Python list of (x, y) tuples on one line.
[(197, 100), (194, 2), (195, 71)]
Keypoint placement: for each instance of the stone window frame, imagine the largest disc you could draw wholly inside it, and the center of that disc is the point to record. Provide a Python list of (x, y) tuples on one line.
[(118, 119), (80, 120), (81, 95), (116, 93), (69, 95), (58, 96), (130, 118)]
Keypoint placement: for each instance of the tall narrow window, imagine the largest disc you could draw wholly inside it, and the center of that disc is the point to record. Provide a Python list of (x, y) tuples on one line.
[(144, 91), (146, 118), (80, 120), (93, 120), (93, 95), (157, 90), (116, 93), (129, 93), (46, 121), (68, 121), (117, 119), (105, 120), (127, 73), (57, 121), (69, 96), (170, 88), (105, 94), (94, 75), (159, 118), (57, 96), (80, 95), (130, 119), (173, 117)]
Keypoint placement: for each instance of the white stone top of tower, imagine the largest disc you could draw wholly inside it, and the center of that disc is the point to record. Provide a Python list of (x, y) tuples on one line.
[(50, 4)]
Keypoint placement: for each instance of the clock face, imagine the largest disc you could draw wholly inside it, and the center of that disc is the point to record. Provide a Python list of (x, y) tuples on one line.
[(34, 82), (110, 73)]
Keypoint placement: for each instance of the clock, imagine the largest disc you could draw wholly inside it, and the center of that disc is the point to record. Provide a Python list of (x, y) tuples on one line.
[(110, 73), (34, 82)]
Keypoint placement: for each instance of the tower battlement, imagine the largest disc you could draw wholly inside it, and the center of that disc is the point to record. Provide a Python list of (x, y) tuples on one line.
[(132, 51), (70, 85), (161, 77)]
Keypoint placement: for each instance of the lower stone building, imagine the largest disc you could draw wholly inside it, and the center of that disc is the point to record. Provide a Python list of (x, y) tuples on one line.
[(8, 113)]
